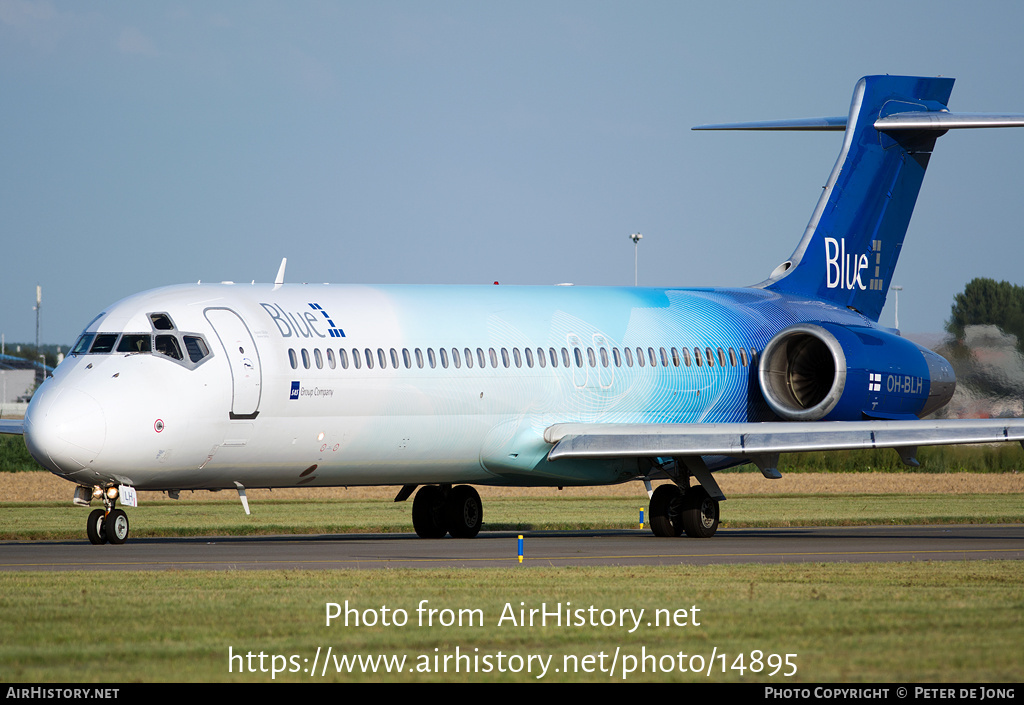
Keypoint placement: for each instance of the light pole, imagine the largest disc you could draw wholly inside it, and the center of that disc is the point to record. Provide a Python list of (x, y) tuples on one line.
[(896, 320), (636, 238)]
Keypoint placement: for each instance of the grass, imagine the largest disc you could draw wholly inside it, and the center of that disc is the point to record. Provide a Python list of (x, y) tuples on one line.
[(919, 622)]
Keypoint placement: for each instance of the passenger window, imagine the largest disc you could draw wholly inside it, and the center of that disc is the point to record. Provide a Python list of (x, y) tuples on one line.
[(456, 360), (293, 359), (419, 358), (565, 358), (541, 359), (711, 357), (578, 356), (686, 357), (591, 357), (305, 358), (368, 354), (318, 356), (617, 356), (504, 357), (357, 361), (134, 343), (168, 345), (330, 357), (382, 359), (696, 357), (406, 358), (664, 358), (675, 357), (743, 357), (604, 357), (469, 359), (343, 358), (732, 357), (444, 357), (654, 359), (529, 357), (640, 357), (194, 346), (554, 357), (431, 359), (394, 358), (629, 356), (480, 358)]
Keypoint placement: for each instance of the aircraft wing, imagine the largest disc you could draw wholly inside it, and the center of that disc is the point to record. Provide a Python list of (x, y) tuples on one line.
[(15, 426), (762, 442)]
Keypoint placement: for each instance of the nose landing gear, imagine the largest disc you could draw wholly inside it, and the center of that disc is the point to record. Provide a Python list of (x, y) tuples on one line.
[(107, 525)]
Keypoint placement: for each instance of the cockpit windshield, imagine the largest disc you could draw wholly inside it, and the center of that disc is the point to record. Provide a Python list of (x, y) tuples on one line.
[(163, 340)]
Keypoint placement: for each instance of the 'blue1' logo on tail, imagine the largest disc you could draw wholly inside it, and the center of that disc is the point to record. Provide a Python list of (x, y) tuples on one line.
[(843, 271)]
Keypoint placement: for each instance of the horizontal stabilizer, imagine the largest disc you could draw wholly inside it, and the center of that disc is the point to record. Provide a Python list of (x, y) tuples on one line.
[(947, 121), (748, 439), (827, 124)]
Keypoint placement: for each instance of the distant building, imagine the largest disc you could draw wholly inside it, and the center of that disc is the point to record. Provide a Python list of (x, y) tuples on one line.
[(18, 378)]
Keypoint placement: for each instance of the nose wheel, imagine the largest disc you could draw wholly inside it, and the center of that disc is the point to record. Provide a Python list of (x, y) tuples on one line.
[(108, 525)]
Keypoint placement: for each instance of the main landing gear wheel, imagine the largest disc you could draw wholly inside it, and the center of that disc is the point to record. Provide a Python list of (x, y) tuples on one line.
[(666, 511), (463, 512), (428, 512), (700, 513), (436, 512), (95, 529)]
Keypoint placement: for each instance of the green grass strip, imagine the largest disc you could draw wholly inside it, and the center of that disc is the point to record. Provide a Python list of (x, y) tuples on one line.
[(896, 622)]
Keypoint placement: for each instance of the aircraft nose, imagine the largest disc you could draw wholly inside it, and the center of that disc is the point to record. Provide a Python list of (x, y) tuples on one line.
[(64, 429)]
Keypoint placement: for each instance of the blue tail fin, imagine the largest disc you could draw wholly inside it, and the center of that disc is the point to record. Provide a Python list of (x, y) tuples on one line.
[(849, 250)]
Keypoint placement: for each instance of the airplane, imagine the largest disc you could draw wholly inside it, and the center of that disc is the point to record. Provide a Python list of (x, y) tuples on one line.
[(440, 388)]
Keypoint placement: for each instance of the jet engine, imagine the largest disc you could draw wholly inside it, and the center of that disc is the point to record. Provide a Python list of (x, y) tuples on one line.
[(815, 371)]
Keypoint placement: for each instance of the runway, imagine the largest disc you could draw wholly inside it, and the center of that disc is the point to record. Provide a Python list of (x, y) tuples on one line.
[(499, 549)]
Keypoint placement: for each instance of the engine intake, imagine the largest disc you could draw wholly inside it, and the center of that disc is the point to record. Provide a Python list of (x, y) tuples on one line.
[(803, 372), (813, 371)]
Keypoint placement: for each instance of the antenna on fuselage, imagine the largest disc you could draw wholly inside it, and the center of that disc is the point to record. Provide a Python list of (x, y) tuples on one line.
[(279, 279)]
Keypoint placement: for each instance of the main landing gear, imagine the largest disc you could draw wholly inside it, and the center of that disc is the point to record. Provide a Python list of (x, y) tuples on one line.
[(674, 512), (107, 525), (442, 509)]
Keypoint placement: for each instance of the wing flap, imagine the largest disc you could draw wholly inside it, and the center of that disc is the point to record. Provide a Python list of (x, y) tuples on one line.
[(759, 439)]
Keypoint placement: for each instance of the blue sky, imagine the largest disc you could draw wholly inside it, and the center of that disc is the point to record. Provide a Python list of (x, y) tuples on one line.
[(155, 143)]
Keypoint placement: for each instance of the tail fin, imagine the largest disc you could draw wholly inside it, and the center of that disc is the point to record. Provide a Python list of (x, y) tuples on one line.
[(849, 250)]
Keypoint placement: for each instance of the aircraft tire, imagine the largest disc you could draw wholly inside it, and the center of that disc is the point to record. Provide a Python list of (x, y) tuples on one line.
[(95, 527), (666, 511), (428, 512), (117, 527), (463, 512), (700, 513)]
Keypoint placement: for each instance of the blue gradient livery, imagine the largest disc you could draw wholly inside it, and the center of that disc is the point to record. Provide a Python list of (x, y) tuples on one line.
[(442, 388)]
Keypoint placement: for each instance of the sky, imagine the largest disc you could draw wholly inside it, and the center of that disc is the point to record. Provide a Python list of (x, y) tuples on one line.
[(440, 142)]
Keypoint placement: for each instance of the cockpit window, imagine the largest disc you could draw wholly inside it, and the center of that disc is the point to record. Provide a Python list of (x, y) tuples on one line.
[(82, 346), (134, 343), (196, 348), (168, 345), (161, 321), (104, 343)]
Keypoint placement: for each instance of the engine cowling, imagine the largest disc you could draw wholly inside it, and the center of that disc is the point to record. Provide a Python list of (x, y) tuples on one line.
[(825, 371)]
